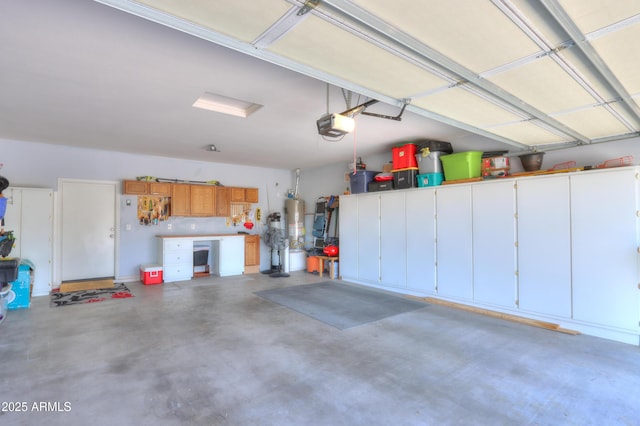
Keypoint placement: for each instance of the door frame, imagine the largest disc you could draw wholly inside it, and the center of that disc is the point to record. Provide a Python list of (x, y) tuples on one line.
[(57, 231)]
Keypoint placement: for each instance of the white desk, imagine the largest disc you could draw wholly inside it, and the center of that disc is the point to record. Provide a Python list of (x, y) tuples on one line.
[(175, 254)]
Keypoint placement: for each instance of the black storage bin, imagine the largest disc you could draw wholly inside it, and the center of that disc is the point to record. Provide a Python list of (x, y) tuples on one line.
[(434, 146), (380, 186), (9, 270), (200, 255), (403, 179)]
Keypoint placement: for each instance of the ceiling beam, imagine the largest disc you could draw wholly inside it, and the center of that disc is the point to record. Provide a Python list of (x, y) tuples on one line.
[(403, 41), (581, 42), (171, 21)]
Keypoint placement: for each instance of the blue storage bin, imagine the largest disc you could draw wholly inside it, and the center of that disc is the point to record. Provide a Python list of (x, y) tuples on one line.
[(360, 180), (429, 179), (20, 294)]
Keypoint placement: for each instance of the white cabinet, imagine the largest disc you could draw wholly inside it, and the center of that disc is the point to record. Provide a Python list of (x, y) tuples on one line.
[(604, 237), (544, 245), (228, 256), (454, 230), (393, 251), (563, 248), (176, 257), (348, 220), (30, 215), (494, 251), (421, 240), (368, 215)]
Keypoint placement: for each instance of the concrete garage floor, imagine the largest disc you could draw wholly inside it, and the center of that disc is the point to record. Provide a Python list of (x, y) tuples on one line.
[(210, 352)]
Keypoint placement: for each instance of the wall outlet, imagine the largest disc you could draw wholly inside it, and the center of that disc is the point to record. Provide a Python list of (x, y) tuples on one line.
[(169, 226), (193, 226), (128, 227)]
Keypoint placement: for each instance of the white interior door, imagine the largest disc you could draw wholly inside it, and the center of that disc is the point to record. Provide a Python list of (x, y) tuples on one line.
[(88, 222)]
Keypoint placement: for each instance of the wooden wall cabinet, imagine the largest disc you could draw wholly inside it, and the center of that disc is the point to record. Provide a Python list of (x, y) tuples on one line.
[(180, 199), (244, 195), (161, 189), (134, 187), (251, 195), (203, 200), (223, 201), (137, 187)]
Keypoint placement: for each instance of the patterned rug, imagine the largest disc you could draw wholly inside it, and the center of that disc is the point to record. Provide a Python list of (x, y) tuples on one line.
[(118, 291)]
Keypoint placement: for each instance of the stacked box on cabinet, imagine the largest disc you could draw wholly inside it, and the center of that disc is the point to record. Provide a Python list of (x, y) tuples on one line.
[(495, 166), (404, 156), (429, 164), (462, 165), (405, 178), (384, 185), (360, 179)]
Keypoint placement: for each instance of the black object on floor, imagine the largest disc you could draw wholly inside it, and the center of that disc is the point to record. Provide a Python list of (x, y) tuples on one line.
[(339, 305)]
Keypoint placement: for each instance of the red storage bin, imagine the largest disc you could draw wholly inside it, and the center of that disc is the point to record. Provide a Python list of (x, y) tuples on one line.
[(151, 274), (404, 156)]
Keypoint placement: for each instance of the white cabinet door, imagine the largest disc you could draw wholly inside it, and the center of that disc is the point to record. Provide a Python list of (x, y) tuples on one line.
[(369, 238), (544, 245), (454, 244), (393, 256), (421, 249), (231, 256), (605, 247), (494, 262), (348, 220), (30, 215)]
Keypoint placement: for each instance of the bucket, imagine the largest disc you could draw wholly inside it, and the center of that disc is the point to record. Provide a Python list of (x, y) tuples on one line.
[(429, 161)]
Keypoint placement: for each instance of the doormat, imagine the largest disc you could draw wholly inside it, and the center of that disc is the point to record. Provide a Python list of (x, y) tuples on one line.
[(79, 285), (119, 291), (339, 305)]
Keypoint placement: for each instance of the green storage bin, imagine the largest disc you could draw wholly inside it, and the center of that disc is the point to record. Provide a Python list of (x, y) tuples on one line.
[(462, 165)]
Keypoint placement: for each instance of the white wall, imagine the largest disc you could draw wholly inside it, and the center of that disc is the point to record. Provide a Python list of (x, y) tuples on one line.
[(41, 165)]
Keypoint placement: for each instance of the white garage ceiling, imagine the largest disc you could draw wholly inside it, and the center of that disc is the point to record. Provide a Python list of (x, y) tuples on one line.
[(521, 74)]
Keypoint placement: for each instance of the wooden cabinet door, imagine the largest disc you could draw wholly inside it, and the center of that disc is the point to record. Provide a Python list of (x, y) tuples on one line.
[(251, 250), (162, 189), (134, 187), (180, 199), (223, 200), (237, 195), (251, 195), (202, 200)]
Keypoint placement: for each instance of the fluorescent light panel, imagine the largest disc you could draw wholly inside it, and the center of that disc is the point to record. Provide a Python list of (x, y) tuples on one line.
[(226, 105)]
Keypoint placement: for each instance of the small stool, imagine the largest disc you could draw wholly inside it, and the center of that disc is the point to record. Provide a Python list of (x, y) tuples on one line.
[(332, 262)]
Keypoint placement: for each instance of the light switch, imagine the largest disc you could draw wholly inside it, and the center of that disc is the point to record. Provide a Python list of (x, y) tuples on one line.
[(128, 227), (193, 226)]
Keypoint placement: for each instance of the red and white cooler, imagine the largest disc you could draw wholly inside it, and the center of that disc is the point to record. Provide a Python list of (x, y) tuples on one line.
[(151, 274)]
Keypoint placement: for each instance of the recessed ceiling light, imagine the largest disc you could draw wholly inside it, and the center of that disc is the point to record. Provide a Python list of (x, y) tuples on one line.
[(226, 105)]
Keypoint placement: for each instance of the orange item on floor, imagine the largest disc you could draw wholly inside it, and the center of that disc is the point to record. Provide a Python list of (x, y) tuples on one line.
[(313, 264)]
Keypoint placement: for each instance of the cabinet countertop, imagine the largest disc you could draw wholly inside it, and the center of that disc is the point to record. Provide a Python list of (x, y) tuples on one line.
[(203, 236)]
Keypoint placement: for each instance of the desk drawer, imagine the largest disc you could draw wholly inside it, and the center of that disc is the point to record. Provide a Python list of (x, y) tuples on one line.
[(178, 244), (178, 257)]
